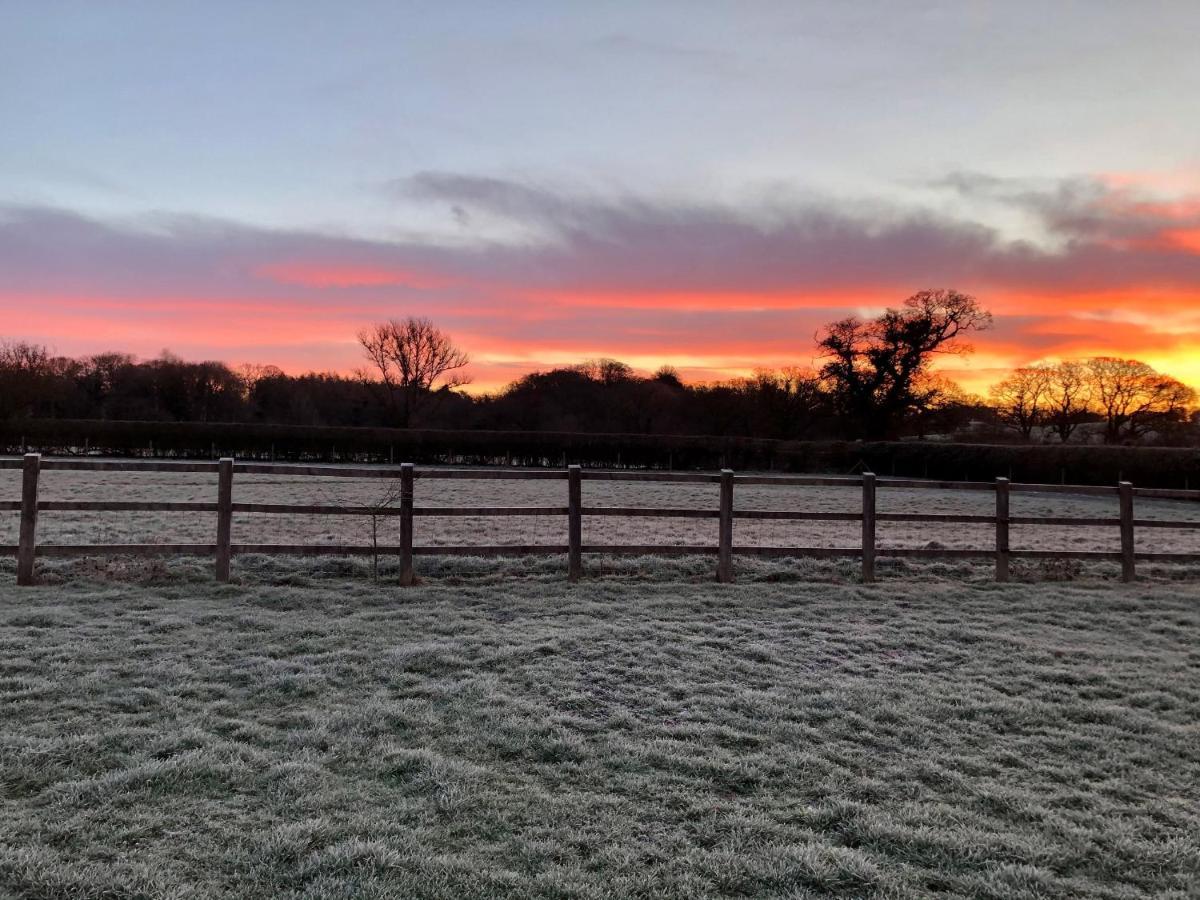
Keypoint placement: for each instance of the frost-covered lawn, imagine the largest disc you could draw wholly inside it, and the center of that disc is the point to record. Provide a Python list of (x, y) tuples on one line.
[(308, 734)]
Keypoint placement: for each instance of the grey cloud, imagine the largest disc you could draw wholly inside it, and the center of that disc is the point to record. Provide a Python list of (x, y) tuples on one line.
[(794, 246), (807, 244), (1080, 209)]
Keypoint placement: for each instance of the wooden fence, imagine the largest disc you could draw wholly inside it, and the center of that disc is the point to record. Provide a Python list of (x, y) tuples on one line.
[(574, 510)]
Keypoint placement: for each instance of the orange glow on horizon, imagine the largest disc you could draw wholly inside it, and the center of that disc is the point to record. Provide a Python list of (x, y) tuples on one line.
[(730, 336)]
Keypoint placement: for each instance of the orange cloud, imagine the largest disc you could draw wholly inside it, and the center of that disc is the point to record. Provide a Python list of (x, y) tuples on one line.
[(1183, 238)]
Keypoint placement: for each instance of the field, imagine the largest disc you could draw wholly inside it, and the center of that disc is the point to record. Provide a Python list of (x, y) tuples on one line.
[(495, 731), (306, 733)]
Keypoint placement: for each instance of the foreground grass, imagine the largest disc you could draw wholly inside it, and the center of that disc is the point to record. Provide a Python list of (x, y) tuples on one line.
[(302, 736)]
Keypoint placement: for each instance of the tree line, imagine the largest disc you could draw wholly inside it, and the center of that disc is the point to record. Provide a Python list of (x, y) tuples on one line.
[(1125, 397), (877, 380)]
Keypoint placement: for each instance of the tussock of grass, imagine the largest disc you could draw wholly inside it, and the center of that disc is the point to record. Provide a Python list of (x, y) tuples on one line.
[(479, 571), (306, 733)]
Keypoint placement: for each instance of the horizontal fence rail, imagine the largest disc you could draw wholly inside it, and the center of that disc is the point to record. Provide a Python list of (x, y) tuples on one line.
[(401, 504)]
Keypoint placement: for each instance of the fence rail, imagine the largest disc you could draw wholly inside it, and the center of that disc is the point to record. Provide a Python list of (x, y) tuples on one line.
[(224, 549)]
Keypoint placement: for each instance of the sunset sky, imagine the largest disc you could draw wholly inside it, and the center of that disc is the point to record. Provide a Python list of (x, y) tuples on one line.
[(701, 184)]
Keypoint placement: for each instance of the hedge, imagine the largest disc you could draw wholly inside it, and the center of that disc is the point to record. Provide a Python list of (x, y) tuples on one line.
[(1070, 464)]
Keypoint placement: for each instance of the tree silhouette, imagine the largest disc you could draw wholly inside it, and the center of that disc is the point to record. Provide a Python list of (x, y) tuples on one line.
[(410, 357), (1067, 397), (1132, 397), (875, 369), (1021, 397)]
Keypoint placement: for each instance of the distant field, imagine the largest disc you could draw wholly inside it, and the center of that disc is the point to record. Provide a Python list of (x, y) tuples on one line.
[(307, 733), (74, 527)]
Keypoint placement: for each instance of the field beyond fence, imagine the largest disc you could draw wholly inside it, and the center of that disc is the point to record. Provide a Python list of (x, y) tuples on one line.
[(400, 502)]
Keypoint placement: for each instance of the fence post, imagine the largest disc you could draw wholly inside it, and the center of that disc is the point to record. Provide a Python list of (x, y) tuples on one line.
[(725, 529), (1125, 490), (868, 527), (224, 516), (1002, 529), (574, 522), (406, 524), (27, 546)]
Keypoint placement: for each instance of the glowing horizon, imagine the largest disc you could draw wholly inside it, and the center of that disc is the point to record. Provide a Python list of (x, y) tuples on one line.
[(329, 345)]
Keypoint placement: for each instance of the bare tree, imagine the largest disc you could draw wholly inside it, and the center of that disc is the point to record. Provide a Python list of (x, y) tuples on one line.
[(414, 361), (605, 371), (784, 403), (250, 374), (1020, 398), (1067, 398), (669, 375), (943, 407), (875, 368), (25, 375), (387, 499), (1132, 397), (383, 504)]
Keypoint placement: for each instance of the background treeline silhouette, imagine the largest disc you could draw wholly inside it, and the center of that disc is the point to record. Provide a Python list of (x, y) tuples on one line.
[(598, 396), (877, 382)]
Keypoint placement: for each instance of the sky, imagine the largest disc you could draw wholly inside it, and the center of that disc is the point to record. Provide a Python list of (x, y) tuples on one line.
[(696, 184)]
